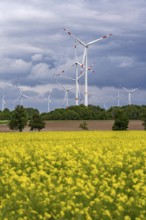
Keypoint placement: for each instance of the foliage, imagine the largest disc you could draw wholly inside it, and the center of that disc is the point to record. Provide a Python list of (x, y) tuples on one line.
[(73, 175), (93, 113), (36, 122), (84, 126), (82, 112), (143, 118), (5, 114), (30, 112), (4, 122), (121, 120), (18, 119)]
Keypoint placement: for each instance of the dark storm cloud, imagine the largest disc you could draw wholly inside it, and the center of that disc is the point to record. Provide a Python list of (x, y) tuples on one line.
[(34, 46)]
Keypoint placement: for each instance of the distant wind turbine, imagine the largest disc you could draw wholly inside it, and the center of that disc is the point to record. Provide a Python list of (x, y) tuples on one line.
[(66, 92), (22, 96), (49, 101), (118, 98), (3, 103), (129, 94)]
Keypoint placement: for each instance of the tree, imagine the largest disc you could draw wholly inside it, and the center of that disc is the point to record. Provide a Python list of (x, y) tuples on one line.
[(18, 119), (83, 126), (143, 118), (30, 112), (121, 120), (36, 122)]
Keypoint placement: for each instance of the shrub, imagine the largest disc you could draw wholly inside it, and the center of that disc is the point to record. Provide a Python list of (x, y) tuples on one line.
[(121, 120), (83, 126)]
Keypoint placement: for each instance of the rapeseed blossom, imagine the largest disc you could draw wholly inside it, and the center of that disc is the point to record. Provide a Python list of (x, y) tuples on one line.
[(73, 176)]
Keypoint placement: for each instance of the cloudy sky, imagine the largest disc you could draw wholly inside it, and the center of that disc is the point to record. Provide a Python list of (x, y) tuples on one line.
[(34, 47)]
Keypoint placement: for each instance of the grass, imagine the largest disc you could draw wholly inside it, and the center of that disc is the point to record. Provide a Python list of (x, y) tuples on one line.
[(2, 122)]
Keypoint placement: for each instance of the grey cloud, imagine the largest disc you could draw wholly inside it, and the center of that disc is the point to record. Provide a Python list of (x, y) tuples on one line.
[(34, 45)]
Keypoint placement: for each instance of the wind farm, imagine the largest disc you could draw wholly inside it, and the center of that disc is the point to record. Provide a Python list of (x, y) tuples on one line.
[(73, 110), (76, 75)]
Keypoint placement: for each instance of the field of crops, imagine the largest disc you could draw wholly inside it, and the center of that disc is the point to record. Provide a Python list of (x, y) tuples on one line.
[(73, 175)]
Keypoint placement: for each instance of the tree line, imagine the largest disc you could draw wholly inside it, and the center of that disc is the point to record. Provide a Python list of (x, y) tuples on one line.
[(133, 112), (20, 116)]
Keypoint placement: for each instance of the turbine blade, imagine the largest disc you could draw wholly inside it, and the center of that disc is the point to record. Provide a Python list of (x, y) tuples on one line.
[(134, 89), (25, 96), (19, 97), (82, 73), (70, 88), (101, 38), (84, 55), (60, 84), (75, 51), (68, 32), (66, 77), (78, 63), (125, 89)]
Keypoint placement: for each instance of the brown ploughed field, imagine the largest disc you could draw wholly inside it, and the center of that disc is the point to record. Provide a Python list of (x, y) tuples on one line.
[(74, 125)]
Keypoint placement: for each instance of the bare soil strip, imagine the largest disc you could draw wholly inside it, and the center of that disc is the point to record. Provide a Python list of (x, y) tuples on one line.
[(74, 125)]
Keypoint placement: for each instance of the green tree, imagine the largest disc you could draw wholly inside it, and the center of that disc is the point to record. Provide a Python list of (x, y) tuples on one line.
[(143, 118), (36, 122), (30, 112), (18, 119), (121, 120)]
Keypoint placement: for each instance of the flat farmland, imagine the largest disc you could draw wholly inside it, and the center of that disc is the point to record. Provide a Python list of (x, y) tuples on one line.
[(74, 125), (74, 175)]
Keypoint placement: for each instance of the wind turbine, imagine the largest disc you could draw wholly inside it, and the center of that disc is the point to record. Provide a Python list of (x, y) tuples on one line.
[(3, 103), (66, 92), (105, 106), (129, 94), (22, 96), (49, 101), (118, 98), (85, 59)]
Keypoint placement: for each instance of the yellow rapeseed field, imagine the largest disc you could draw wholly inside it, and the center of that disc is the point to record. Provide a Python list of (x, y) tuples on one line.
[(73, 175)]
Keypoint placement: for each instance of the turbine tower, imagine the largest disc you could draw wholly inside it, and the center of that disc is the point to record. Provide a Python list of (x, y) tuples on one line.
[(129, 94), (118, 98), (85, 59), (77, 76), (3, 103), (49, 101)]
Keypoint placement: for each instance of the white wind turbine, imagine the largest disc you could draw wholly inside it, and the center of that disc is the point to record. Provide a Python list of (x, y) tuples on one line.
[(22, 96), (3, 103), (129, 94), (66, 92), (77, 96), (85, 59), (105, 106), (118, 98), (49, 101)]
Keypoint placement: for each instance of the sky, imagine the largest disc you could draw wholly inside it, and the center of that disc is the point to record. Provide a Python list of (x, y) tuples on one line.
[(34, 48)]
